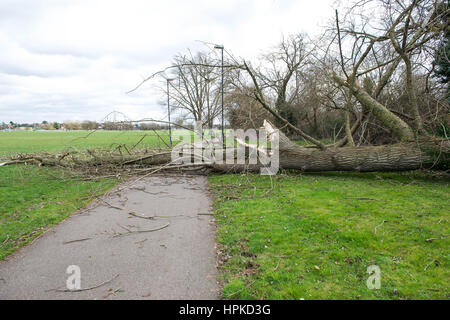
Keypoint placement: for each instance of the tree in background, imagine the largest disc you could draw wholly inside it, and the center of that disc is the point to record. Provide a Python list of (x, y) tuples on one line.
[(45, 125), (72, 125), (89, 125), (195, 90), (118, 125), (243, 111)]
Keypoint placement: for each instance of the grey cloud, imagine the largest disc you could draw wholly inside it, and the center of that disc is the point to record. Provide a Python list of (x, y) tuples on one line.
[(80, 66)]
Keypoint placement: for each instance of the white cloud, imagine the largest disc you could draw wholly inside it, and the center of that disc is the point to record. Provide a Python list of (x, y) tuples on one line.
[(76, 59)]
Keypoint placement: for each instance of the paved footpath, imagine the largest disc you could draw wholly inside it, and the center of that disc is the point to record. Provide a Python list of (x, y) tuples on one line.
[(176, 262)]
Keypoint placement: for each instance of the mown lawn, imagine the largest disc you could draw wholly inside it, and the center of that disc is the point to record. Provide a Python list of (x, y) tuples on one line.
[(312, 236), (32, 199), (12, 142)]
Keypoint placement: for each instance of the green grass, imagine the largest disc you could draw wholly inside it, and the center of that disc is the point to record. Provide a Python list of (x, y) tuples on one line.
[(32, 199), (309, 237), (12, 142)]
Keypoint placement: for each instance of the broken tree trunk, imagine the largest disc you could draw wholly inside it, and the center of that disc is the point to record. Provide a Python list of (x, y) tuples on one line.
[(397, 157), (428, 153)]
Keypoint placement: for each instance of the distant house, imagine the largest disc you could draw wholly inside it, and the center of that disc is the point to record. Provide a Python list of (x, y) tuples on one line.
[(24, 129)]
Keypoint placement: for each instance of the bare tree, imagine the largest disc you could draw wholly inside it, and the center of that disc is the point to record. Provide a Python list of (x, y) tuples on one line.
[(243, 111), (403, 28), (195, 91)]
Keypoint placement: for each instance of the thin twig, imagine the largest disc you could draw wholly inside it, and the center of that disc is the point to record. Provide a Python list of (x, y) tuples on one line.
[(441, 238), (141, 231), (134, 214), (362, 198), (118, 224), (85, 289), (5, 241), (110, 205), (78, 240), (426, 267)]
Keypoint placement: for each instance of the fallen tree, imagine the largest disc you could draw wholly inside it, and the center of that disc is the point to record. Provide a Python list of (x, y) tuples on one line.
[(425, 153), (397, 157)]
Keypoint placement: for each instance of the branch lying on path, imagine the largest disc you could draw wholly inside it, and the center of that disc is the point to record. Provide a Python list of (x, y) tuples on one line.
[(117, 223), (141, 231), (134, 214), (110, 205), (78, 240), (143, 189), (85, 289)]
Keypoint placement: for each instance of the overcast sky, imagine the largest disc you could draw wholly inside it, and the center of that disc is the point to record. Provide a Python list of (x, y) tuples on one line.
[(74, 60)]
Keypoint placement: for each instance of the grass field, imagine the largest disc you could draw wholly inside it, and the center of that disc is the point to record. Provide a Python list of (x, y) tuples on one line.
[(313, 236), (29, 142)]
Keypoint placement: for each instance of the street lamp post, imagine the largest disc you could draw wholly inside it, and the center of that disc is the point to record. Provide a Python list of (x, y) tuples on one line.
[(168, 111), (221, 47), (208, 107)]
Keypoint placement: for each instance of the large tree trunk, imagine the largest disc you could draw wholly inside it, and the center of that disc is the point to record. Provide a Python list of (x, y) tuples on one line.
[(397, 157)]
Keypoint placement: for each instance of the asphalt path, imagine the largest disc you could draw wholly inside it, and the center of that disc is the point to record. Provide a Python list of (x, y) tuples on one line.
[(151, 239)]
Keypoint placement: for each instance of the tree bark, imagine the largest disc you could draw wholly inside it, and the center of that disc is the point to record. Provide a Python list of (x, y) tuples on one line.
[(429, 153), (398, 157)]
